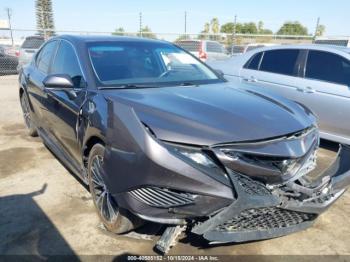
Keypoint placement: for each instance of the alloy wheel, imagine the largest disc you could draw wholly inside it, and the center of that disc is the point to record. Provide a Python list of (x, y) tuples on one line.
[(25, 109), (104, 201)]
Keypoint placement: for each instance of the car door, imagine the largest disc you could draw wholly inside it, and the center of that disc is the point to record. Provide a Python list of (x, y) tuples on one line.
[(275, 71), (65, 104), (35, 75), (325, 90)]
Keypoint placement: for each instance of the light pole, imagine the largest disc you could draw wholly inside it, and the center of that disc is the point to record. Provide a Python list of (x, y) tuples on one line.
[(234, 29), (140, 21), (317, 26), (9, 14), (185, 25)]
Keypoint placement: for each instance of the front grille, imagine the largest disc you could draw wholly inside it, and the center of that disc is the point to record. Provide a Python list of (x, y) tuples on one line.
[(265, 219), (162, 197), (251, 186)]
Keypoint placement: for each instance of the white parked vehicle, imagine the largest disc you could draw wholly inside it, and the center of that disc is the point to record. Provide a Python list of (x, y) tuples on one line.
[(242, 49), (338, 41), (29, 47), (204, 49), (317, 76)]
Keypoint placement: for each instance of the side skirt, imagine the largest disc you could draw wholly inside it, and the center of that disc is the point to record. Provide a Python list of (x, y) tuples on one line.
[(64, 157)]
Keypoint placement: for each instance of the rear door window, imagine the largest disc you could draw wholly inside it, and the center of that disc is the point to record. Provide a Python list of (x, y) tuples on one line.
[(45, 55), (280, 61), (328, 67)]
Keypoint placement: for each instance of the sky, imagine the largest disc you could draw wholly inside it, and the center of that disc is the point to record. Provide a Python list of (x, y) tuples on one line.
[(168, 16)]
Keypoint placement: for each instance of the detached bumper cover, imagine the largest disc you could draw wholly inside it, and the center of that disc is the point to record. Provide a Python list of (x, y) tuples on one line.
[(263, 212)]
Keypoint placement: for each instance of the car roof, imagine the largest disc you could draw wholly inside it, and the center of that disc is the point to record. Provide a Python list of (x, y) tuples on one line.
[(321, 47), (196, 40), (34, 37), (98, 38)]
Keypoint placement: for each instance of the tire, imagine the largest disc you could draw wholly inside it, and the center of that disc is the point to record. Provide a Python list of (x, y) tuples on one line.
[(119, 220), (27, 116)]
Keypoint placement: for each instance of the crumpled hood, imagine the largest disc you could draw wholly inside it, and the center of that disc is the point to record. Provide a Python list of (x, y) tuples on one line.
[(213, 113)]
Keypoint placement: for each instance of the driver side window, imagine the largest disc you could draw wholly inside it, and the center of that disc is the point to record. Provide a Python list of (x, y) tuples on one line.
[(44, 57), (66, 62)]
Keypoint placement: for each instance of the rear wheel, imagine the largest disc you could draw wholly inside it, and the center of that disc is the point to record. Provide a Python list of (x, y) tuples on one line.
[(114, 218), (27, 115)]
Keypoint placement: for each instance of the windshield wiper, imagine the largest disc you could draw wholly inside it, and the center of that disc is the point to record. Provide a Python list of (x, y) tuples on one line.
[(188, 84), (128, 86)]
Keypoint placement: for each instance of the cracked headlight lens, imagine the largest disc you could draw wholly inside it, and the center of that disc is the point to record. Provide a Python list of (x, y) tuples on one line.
[(198, 158)]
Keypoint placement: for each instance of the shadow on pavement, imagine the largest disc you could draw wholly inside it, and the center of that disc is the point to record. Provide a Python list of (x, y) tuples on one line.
[(26, 230)]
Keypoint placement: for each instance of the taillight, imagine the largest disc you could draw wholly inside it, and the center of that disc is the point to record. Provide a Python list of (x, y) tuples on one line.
[(202, 55), (17, 53)]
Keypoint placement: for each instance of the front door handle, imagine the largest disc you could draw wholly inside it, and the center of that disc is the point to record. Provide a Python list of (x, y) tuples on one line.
[(309, 90), (251, 79)]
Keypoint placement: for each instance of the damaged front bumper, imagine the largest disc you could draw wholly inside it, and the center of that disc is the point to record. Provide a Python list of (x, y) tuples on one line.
[(262, 211)]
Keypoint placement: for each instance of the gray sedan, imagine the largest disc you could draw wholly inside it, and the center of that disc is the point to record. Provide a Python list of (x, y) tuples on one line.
[(317, 76)]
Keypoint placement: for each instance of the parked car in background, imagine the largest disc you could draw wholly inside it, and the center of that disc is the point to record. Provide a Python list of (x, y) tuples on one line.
[(317, 76), (159, 136), (30, 45), (204, 49), (8, 61), (10, 50), (242, 49), (337, 41)]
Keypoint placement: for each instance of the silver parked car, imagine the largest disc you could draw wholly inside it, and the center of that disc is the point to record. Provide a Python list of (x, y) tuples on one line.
[(204, 49), (317, 76), (242, 49), (30, 45)]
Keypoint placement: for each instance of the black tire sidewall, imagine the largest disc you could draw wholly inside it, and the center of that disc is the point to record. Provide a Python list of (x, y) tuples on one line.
[(30, 126), (122, 223)]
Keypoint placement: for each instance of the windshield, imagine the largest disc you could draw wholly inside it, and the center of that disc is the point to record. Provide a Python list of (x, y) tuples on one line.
[(146, 63)]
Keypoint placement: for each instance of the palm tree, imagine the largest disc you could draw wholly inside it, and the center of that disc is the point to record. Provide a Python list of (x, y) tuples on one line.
[(44, 17), (215, 27)]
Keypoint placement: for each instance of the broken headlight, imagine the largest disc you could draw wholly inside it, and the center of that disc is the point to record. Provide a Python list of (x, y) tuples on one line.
[(198, 158)]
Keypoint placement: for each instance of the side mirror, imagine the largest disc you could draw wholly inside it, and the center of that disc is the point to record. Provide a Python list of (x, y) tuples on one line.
[(58, 80)]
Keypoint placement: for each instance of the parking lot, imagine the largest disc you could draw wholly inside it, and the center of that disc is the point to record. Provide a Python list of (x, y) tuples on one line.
[(45, 210)]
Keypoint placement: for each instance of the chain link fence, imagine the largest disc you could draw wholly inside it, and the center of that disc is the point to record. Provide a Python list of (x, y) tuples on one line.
[(18, 47)]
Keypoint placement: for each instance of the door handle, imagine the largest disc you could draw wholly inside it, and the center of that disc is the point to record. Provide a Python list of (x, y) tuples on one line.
[(309, 90), (251, 79)]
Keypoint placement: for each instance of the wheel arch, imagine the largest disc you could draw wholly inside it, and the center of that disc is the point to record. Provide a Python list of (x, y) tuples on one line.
[(21, 91), (90, 142)]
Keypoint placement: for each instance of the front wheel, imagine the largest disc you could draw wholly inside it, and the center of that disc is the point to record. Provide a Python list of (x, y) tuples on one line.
[(114, 218), (27, 116)]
